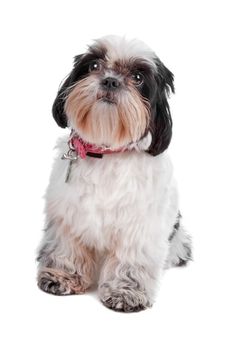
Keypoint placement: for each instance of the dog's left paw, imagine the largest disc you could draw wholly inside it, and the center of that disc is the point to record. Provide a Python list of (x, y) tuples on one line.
[(124, 299), (180, 252)]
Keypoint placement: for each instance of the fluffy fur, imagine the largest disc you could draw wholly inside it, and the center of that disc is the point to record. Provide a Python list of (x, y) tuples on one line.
[(116, 222), (124, 122)]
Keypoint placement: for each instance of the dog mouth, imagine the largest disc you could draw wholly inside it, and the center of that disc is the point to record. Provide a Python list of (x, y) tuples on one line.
[(107, 97), (108, 100)]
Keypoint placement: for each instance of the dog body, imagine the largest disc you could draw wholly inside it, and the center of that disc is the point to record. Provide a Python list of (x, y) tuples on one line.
[(114, 220)]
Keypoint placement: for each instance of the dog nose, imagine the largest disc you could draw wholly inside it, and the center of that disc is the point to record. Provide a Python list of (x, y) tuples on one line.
[(110, 83)]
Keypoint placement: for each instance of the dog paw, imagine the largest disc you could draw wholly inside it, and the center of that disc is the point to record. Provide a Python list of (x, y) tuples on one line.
[(59, 283), (186, 257), (180, 250), (182, 257), (124, 299)]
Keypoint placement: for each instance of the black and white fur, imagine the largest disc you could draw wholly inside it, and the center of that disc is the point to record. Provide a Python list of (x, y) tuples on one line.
[(116, 222)]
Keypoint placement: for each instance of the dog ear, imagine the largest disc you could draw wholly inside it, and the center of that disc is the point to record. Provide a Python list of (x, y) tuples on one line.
[(58, 105), (161, 122)]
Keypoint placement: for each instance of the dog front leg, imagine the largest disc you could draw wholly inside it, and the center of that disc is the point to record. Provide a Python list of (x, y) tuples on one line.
[(128, 282), (66, 266)]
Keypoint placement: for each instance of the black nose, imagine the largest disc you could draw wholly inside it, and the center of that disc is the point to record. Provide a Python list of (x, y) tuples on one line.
[(110, 83)]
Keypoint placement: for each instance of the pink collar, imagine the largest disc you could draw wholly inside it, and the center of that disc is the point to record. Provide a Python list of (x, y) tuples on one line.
[(83, 148)]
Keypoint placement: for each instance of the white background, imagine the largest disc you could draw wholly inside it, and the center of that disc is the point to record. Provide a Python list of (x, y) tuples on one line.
[(194, 39)]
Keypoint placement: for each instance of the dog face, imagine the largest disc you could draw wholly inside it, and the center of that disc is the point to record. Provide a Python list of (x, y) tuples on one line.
[(116, 95)]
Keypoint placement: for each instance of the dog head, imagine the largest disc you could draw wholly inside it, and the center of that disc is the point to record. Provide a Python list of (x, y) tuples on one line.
[(116, 95)]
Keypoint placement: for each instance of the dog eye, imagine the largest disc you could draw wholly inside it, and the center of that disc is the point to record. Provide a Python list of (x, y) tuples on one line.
[(94, 66), (137, 78)]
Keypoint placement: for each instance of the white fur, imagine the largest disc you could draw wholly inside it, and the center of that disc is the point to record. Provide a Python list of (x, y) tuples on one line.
[(123, 48), (123, 203)]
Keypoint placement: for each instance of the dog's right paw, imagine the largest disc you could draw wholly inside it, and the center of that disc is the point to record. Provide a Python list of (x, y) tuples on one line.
[(59, 282)]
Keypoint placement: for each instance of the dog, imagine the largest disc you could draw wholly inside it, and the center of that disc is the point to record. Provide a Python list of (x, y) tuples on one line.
[(112, 212)]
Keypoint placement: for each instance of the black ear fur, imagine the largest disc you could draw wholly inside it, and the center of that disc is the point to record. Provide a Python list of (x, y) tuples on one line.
[(161, 122), (58, 105)]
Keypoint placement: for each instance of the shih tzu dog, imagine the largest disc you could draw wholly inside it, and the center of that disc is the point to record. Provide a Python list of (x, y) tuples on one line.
[(112, 214)]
